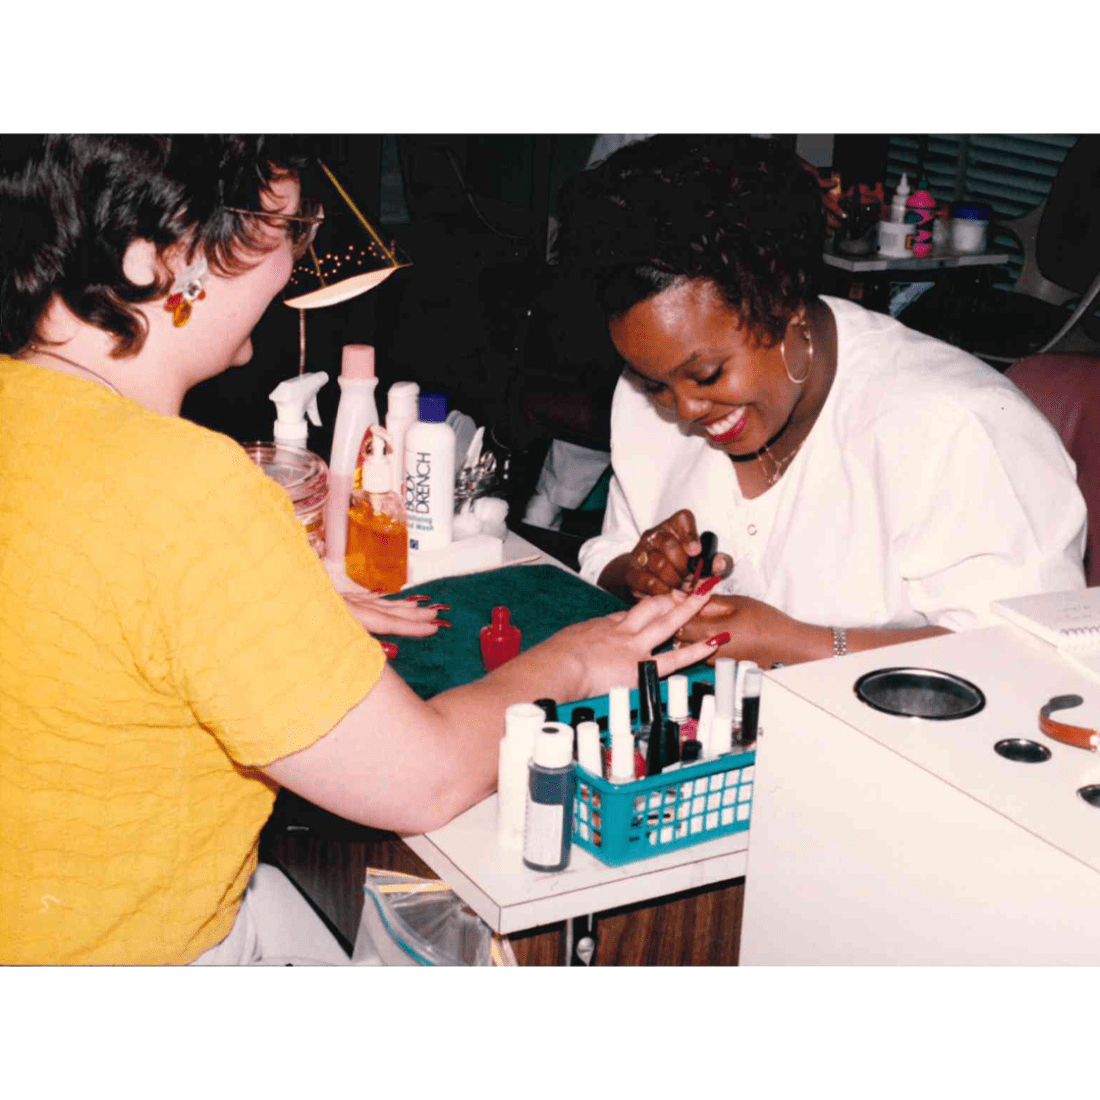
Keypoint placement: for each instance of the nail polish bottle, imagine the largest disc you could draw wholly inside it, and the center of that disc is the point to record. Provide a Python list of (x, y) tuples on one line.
[(548, 829), (549, 708), (499, 640), (750, 706), (620, 757), (579, 716), (651, 717), (678, 710)]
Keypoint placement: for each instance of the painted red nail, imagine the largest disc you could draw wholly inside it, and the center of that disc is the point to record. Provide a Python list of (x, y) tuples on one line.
[(420, 597), (439, 607), (707, 585), (719, 639), (389, 649), (442, 622)]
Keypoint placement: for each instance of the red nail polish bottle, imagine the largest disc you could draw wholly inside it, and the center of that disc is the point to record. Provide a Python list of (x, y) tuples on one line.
[(499, 640)]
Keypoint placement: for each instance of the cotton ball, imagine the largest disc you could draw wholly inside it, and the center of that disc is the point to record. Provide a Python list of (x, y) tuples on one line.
[(491, 512)]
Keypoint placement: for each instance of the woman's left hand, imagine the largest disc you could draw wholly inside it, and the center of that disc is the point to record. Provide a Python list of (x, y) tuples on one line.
[(757, 631), (407, 617)]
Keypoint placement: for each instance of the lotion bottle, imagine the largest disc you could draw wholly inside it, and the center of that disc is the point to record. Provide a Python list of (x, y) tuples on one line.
[(430, 476), (354, 415), (377, 538), (402, 412), (521, 722)]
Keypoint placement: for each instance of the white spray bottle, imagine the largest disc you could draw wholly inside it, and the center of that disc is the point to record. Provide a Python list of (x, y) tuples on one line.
[(295, 399), (354, 415)]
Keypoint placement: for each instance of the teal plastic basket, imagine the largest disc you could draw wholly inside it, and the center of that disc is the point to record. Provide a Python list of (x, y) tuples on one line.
[(624, 822)]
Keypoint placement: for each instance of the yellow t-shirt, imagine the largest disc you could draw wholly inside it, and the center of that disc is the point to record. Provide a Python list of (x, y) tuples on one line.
[(165, 629)]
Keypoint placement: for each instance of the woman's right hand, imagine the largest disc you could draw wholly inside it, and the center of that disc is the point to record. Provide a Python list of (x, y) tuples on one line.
[(598, 653), (659, 563)]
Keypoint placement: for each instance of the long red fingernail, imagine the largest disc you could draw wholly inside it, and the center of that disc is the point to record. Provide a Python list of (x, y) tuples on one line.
[(422, 598), (442, 622), (439, 607), (719, 639), (707, 585), (389, 649)]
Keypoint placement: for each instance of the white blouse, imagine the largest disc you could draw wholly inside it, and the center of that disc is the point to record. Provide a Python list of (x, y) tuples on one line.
[(928, 486)]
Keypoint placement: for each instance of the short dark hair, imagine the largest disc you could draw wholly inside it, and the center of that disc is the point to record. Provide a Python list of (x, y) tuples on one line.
[(71, 205), (744, 213)]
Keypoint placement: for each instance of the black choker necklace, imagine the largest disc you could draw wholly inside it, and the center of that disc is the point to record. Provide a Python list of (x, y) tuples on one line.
[(755, 456)]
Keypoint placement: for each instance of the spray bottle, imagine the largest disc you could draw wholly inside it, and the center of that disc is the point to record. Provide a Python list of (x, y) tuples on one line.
[(287, 462), (355, 414), (295, 399), (378, 537)]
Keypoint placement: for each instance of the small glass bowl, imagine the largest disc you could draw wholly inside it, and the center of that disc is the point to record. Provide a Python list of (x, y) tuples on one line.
[(304, 476)]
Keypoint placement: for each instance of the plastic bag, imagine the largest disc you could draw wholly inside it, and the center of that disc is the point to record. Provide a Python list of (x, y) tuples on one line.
[(410, 921)]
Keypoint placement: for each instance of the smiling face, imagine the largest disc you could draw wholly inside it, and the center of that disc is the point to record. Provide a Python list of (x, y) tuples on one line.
[(690, 352)]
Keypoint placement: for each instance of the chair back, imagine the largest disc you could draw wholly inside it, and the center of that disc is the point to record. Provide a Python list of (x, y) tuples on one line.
[(1061, 236), (1066, 390)]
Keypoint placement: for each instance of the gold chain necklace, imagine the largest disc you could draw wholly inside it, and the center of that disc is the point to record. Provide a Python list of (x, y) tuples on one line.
[(34, 349), (778, 465)]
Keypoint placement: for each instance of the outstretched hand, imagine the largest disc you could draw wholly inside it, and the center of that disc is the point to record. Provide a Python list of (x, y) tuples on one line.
[(608, 649)]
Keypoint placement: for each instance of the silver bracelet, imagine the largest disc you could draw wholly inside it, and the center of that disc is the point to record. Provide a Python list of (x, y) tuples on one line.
[(840, 641)]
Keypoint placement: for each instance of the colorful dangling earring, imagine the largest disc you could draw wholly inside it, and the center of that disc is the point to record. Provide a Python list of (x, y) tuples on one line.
[(187, 288)]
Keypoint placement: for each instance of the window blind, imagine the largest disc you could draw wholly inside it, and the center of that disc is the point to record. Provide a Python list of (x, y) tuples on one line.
[(1011, 172)]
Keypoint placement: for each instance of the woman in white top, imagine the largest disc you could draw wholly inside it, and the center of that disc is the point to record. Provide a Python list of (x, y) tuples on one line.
[(871, 485)]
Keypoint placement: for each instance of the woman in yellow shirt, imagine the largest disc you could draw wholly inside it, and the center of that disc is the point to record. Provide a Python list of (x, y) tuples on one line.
[(154, 692)]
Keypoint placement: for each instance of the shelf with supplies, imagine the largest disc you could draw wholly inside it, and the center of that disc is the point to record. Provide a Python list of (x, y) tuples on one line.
[(917, 266)]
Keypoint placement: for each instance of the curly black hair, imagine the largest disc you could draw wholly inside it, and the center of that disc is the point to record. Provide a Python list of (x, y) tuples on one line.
[(70, 206), (742, 212)]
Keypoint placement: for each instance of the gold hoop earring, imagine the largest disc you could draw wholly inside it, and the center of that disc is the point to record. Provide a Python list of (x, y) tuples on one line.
[(808, 337)]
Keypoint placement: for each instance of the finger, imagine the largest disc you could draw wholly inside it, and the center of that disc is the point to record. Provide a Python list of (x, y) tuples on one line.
[(661, 622), (669, 563), (642, 583), (404, 628), (650, 609), (682, 524), (721, 565), (656, 619), (673, 660)]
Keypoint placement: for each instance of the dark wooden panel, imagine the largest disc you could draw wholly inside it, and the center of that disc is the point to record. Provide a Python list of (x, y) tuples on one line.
[(700, 927)]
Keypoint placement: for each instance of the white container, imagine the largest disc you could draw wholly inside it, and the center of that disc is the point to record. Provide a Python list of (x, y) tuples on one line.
[(354, 415), (521, 722), (895, 239), (970, 227), (430, 476), (402, 412)]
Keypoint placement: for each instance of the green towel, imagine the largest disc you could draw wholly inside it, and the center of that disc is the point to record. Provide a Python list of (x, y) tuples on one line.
[(541, 598)]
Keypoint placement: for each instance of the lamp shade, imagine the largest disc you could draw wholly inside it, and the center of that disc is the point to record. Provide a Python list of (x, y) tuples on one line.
[(347, 257)]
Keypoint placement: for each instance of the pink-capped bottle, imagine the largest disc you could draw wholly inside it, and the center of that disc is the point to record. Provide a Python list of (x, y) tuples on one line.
[(921, 209)]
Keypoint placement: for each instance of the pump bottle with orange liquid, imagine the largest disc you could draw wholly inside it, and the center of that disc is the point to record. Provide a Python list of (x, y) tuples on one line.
[(378, 537)]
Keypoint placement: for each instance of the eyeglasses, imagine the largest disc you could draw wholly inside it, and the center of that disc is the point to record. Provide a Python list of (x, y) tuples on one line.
[(301, 228)]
